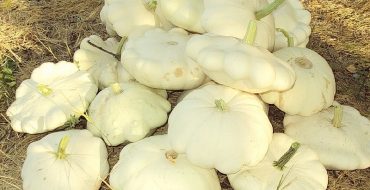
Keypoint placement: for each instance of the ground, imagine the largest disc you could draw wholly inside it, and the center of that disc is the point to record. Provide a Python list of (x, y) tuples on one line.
[(37, 31)]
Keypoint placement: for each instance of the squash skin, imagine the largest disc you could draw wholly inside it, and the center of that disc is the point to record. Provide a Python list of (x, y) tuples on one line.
[(314, 88), (231, 62), (43, 171), (343, 148), (128, 115), (184, 13), (147, 165), (302, 171), (231, 18), (225, 140), (293, 18), (104, 68), (156, 58), (70, 93), (122, 17)]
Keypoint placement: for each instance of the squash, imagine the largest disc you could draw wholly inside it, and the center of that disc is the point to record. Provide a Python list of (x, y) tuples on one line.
[(186, 92), (287, 165), (292, 17), (231, 18), (53, 94), (124, 16), (126, 112), (340, 136), (156, 58), (104, 18), (314, 88), (99, 58), (220, 127), (183, 13), (150, 164), (233, 63), (66, 160)]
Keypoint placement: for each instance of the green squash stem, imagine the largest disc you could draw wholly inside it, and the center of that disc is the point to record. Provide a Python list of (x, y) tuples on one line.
[(338, 115), (280, 164), (87, 117), (151, 5), (61, 153), (221, 105), (44, 89), (286, 34), (120, 46), (116, 88), (268, 9), (250, 36)]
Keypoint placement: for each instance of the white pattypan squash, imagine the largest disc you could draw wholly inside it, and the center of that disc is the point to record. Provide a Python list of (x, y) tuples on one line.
[(184, 13), (294, 19), (287, 165), (99, 58), (53, 94), (231, 18), (66, 160), (126, 112), (231, 62), (104, 18), (186, 92), (150, 164), (124, 16), (340, 136), (156, 58), (220, 127), (314, 88)]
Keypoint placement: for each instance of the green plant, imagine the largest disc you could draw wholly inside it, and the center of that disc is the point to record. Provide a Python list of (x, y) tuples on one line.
[(7, 78)]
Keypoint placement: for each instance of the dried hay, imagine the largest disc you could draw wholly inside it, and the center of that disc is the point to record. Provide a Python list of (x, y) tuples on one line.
[(36, 31)]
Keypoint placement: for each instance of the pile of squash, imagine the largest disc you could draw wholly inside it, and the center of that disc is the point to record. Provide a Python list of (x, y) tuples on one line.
[(231, 58)]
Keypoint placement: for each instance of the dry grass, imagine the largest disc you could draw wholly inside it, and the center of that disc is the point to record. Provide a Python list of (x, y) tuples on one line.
[(36, 31), (343, 25), (33, 32)]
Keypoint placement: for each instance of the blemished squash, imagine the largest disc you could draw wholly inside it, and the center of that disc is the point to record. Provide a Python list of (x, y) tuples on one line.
[(314, 88), (156, 58)]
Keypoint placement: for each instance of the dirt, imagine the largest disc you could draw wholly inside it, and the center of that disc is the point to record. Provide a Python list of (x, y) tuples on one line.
[(37, 31)]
